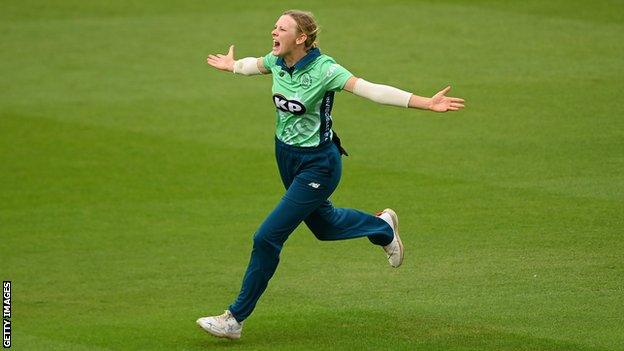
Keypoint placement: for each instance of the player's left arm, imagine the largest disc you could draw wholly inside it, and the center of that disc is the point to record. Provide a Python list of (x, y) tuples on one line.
[(388, 95)]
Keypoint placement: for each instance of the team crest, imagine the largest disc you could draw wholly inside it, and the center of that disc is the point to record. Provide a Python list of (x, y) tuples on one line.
[(305, 80)]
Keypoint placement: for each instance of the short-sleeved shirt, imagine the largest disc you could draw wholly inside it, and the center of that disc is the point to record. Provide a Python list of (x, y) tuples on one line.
[(304, 95)]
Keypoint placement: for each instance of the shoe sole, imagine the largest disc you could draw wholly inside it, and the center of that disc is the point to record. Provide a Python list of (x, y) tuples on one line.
[(395, 221), (218, 335)]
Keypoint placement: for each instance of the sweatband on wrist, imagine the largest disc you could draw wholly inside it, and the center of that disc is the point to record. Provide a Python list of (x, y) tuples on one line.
[(382, 94), (247, 66)]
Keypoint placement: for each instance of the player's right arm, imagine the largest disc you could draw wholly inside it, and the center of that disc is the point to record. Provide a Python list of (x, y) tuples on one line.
[(247, 66)]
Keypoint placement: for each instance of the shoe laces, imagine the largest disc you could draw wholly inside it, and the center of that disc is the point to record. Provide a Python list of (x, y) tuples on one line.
[(228, 317)]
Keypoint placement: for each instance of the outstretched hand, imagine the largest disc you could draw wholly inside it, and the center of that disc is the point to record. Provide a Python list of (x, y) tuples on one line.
[(222, 62), (442, 103)]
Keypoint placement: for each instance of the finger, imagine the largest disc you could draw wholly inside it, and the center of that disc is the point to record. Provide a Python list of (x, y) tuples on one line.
[(213, 57), (455, 104), (220, 55), (453, 99), (445, 90), (231, 51), (451, 108)]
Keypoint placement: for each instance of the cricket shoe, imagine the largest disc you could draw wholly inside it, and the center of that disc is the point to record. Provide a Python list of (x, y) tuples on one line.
[(394, 250), (223, 326)]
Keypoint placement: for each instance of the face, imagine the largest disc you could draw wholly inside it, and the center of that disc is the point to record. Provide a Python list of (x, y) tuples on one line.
[(285, 36)]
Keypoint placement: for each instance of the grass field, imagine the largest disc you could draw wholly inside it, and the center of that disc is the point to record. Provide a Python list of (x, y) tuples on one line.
[(132, 177)]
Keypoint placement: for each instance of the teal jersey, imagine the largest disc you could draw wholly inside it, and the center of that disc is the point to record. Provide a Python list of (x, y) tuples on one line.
[(304, 95)]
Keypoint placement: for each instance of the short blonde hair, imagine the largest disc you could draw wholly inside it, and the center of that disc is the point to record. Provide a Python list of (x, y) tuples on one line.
[(306, 24)]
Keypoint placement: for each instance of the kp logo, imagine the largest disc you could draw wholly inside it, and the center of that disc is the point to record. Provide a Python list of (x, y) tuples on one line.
[(293, 106)]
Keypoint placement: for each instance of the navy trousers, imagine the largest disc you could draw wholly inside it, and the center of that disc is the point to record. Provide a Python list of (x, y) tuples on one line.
[(310, 176)]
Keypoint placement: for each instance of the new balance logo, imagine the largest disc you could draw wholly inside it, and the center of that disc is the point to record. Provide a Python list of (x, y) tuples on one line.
[(314, 185)]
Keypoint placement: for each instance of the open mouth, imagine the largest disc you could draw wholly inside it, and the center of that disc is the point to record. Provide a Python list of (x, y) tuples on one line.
[(276, 44)]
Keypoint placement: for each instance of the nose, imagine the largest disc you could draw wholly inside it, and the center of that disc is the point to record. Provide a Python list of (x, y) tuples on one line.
[(274, 33)]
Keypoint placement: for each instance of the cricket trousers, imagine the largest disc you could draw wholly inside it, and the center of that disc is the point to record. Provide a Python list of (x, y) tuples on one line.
[(310, 176)]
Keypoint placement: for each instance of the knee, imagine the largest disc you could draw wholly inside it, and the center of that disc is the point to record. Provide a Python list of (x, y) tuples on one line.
[(316, 229), (320, 235), (262, 241)]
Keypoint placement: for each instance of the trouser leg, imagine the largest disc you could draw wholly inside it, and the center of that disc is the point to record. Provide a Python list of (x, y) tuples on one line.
[(330, 223), (299, 201)]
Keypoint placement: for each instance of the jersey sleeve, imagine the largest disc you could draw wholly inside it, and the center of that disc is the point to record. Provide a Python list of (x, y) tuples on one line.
[(269, 60), (335, 76)]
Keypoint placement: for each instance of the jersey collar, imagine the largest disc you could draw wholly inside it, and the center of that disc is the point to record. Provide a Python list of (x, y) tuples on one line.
[(309, 57)]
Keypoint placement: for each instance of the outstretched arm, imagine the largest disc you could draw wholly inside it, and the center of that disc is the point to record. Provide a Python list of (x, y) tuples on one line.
[(247, 66), (392, 96)]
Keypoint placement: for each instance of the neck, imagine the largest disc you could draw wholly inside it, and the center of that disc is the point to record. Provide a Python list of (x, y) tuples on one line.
[(294, 57)]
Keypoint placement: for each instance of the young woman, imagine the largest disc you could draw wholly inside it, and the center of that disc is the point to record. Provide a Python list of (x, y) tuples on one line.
[(308, 155)]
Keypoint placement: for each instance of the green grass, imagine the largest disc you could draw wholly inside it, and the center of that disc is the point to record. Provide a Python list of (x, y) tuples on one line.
[(133, 176)]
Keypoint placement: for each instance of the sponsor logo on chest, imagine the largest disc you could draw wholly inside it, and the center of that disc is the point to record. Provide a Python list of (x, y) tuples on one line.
[(293, 106)]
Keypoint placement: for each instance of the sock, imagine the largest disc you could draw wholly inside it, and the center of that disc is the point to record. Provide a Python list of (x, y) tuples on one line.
[(386, 217)]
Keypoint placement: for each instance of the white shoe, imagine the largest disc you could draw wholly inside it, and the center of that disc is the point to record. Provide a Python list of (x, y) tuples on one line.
[(223, 326), (394, 250)]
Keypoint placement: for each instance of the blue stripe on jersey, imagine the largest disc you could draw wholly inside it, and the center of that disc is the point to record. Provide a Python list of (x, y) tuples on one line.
[(325, 116), (309, 57)]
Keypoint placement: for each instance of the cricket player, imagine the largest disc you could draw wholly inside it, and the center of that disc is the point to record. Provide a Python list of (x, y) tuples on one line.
[(308, 154)]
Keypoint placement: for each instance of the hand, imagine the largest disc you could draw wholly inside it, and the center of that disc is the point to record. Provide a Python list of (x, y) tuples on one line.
[(222, 62), (441, 103)]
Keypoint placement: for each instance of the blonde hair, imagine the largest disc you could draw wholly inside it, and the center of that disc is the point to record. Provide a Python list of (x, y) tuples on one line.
[(306, 24)]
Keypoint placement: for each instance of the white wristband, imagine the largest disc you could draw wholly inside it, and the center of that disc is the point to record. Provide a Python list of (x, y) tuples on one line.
[(247, 66), (382, 94)]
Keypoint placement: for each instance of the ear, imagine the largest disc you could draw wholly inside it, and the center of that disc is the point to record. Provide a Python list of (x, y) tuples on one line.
[(301, 39)]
